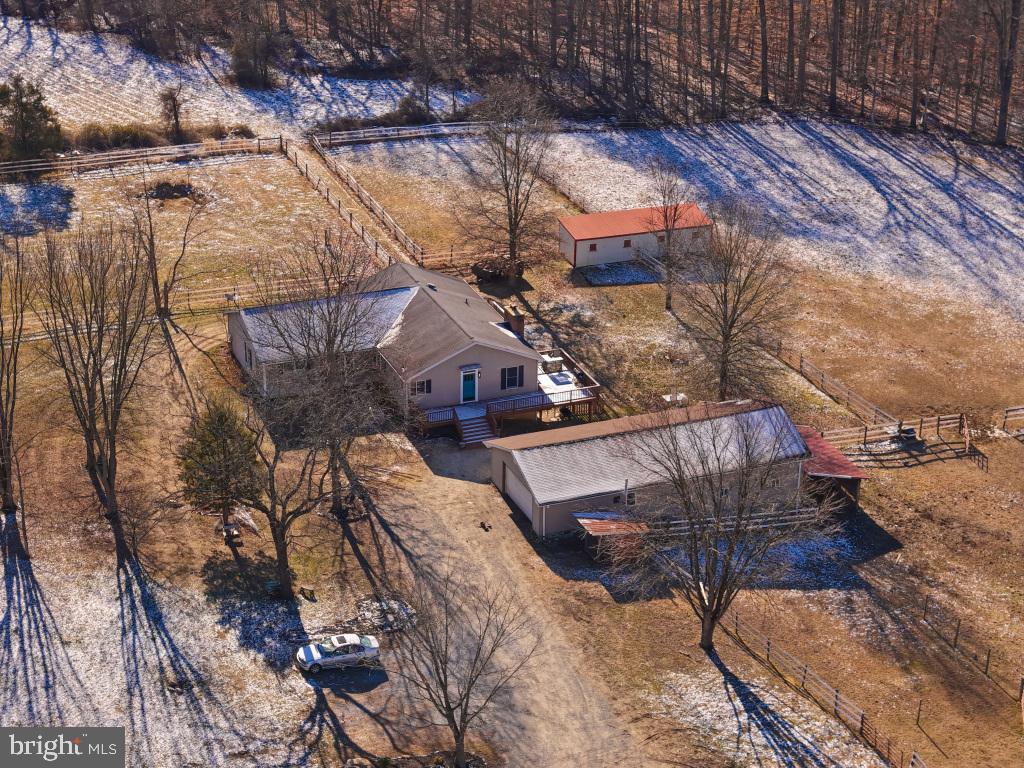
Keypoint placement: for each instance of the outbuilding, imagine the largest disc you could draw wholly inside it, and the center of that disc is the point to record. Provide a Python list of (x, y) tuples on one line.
[(583, 476), (613, 236)]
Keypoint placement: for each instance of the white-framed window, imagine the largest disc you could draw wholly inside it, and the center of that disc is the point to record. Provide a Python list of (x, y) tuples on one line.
[(772, 481), (512, 378), (421, 387)]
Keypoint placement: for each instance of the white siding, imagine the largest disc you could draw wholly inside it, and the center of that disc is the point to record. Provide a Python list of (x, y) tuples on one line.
[(609, 250)]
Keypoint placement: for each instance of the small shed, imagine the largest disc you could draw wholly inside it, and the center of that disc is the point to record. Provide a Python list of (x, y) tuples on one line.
[(834, 473), (613, 236)]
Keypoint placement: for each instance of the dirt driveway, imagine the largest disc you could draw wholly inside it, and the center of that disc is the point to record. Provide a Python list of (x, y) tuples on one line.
[(558, 714)]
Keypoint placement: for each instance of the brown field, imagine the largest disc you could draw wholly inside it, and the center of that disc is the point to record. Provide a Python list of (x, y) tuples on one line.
[(254, 208)]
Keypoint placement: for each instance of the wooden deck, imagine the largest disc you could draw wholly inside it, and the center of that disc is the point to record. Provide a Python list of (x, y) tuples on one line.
[(581, 397)]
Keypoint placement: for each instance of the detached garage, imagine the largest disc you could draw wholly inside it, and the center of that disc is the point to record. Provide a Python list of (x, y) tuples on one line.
[(612, 236), (579, 478)]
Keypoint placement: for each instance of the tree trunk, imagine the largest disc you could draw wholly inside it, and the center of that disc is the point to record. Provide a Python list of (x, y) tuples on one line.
[(284, 571), (762, 15), (1006, 66), (460, 750), (707, 631), (833, 75)]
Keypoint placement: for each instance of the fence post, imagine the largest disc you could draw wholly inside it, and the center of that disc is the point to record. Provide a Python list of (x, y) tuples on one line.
[(988, 659), (258, 147), (803, 677), (768, 654), (920, 705), (861, 729), (1020, 691), (835, 704), (924, 617), (956, 636)]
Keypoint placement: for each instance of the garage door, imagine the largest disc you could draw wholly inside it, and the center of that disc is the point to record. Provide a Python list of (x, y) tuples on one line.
[(516, 490)]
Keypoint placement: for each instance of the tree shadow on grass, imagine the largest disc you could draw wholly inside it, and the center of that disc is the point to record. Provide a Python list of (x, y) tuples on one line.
[(28, 209), (765, 731), (236, 586), (40, 684), (164, 685)]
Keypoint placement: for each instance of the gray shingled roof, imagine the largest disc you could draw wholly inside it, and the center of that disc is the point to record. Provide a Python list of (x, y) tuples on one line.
[(603, 464), (419, 318), (445, 316)]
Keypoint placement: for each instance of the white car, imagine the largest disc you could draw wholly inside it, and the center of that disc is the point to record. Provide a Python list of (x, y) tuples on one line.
[(338, 651)]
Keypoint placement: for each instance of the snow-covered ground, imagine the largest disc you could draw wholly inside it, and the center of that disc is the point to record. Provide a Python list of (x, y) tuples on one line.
[(754, 725), (447, 160), (100, 77), (907, 207), (196, 680)]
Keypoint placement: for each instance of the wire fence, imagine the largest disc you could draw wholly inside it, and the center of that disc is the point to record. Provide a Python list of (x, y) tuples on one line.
[(972, 649), (799, 674)]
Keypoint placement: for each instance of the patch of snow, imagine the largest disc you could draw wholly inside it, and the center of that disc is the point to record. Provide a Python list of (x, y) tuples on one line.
[(620, 273), (101, 77), (187, 677), (937, 214), (755, 725)]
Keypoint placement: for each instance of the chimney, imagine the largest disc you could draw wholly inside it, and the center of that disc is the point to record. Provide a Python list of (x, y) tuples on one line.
[(516, 320)]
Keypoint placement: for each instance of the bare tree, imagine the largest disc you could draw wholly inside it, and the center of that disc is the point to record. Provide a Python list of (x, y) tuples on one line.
[(465, 648), (1006, 15), (736, 300), (502, 209), (172, 107), (326, 320), (723, 493), (14, 297), (96, 310), (165, 267), (670, 199)]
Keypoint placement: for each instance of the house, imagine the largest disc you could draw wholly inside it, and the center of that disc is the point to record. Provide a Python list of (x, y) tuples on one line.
[(611, 236), (586, 477), (450, 354)]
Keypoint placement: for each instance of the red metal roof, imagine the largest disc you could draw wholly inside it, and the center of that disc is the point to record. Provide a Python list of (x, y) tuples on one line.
[(827, 460), (608, 524), (636, 221)]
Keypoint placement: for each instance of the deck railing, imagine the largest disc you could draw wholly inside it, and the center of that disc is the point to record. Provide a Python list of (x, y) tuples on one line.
[(541, 399)]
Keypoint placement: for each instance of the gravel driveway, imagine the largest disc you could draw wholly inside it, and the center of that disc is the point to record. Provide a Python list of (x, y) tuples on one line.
[(557, 714)]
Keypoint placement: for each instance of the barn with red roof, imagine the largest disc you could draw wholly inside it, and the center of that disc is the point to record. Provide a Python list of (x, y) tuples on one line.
[(612, 236)]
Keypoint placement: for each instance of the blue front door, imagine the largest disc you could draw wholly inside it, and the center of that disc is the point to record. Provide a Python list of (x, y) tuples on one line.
[(468, 386)]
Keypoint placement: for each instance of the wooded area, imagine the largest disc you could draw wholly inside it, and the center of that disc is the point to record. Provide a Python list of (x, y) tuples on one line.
[(910, 63)]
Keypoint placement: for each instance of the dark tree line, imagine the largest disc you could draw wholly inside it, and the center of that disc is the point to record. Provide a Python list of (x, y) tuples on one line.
[(913, 63)]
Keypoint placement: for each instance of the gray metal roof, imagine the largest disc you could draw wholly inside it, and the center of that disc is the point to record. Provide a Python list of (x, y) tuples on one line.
[(603, 464)]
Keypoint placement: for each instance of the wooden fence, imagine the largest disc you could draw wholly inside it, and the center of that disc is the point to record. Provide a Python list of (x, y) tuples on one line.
[(886, 430), (367, 135), (92, 161), (380, 252), (378, 210), (830, 385), (830, 699), (1013, 419)]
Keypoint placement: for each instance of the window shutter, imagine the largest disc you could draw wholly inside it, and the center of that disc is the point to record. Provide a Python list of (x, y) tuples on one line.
[(521, 379), (428, 386)]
